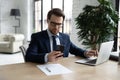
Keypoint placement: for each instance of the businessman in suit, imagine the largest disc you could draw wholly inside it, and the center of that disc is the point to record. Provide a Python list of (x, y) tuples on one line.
[(42, 45)]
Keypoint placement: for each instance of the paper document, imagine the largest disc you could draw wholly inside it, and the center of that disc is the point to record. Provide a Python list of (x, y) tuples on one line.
[(53, 69)]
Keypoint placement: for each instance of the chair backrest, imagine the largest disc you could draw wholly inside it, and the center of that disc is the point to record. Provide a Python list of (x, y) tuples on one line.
[(119, 54), (23, 49)]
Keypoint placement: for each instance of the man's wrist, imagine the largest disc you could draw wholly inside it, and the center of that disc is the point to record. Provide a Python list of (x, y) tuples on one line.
[(85, 54), (46, 58)]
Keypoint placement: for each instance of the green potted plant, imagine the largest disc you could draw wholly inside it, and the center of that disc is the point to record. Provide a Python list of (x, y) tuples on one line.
[(96, 24)]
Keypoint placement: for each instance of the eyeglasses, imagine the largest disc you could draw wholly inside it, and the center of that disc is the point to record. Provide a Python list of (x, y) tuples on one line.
[(56, 24)]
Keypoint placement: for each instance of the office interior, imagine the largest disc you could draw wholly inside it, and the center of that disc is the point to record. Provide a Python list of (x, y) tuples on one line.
[(33, 13)]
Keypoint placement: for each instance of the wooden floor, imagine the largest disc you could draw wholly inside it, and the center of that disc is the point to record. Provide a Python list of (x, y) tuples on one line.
[(6, 59)]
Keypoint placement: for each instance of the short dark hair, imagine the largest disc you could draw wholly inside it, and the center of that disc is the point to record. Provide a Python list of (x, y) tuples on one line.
[(56, 12)]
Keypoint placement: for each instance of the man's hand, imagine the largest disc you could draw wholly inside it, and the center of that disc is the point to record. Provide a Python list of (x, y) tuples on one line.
[(54, 56), (91, 53)]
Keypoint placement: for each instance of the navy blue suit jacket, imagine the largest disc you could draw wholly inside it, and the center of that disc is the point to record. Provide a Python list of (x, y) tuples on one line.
[(40, 45)]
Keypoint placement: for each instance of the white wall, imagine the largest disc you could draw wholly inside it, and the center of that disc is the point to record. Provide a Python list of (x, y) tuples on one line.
[(27, 18), (77, 8), (8, 22)]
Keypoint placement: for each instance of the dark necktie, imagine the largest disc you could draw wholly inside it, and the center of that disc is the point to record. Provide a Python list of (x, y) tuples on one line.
[(54, 42)]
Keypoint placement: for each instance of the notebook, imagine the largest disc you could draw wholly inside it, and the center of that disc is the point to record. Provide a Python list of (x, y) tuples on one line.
[(103, 55)]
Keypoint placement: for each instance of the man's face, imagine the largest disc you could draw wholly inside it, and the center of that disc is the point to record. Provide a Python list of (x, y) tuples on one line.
[(54, 24)]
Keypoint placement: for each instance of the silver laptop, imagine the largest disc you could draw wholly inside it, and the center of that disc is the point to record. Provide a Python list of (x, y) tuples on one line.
[(103, 55)]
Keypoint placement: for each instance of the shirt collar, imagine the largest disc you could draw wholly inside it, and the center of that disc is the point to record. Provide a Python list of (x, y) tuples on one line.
[(50, 34)]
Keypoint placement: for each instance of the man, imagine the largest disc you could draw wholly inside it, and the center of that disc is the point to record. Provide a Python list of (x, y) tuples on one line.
[(41, 47)]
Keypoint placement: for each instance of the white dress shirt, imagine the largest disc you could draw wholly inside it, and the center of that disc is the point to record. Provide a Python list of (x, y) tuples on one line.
[(51, 42)]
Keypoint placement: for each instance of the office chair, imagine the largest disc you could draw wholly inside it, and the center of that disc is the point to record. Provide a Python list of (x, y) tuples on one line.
[(23, 49), (119, 54)]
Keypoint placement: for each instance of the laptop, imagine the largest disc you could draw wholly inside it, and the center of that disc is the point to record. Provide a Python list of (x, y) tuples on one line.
[(103, 55)]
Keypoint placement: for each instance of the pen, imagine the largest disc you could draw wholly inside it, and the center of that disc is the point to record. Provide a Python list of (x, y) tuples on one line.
[(48, 69)]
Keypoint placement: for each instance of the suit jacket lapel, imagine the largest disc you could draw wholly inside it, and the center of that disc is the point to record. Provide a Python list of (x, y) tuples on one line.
[(47, 41), (61, 39), (48, 45)]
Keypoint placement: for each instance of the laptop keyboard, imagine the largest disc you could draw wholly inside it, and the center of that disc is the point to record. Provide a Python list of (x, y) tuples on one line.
[(92, 61)]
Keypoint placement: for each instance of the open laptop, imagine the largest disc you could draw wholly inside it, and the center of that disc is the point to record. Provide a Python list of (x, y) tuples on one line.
[(103, 55)]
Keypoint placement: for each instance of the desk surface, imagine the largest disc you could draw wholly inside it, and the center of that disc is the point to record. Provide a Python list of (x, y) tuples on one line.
[(28, 71)]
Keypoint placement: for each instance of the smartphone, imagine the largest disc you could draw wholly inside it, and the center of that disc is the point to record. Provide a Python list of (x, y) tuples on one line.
[(60, 48)]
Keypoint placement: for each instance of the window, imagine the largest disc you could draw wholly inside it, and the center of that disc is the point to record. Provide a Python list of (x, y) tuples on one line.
[(37, 16), (43, 6), (115, 55)]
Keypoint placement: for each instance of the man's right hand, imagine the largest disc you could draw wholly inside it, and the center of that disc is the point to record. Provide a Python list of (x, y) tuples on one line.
[(54, 56)]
